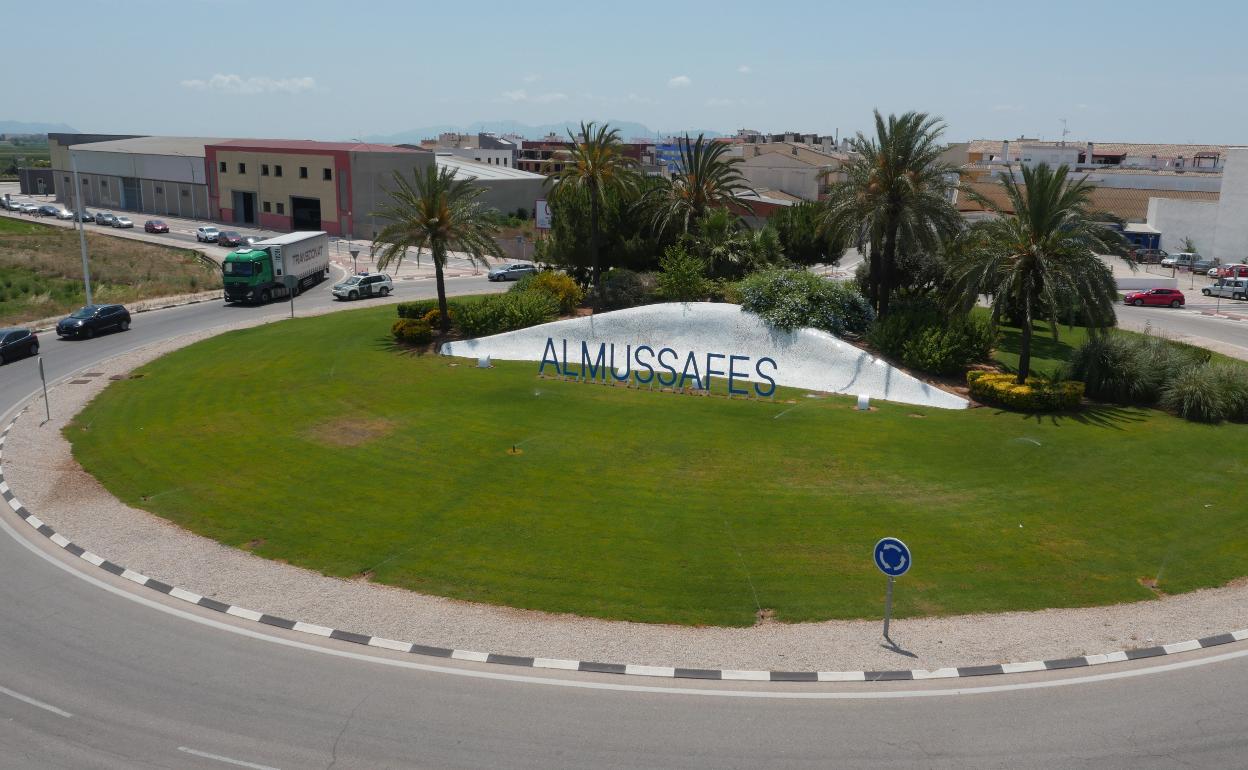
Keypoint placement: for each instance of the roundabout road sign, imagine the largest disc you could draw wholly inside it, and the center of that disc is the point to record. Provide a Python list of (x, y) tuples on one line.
[(892, 557)]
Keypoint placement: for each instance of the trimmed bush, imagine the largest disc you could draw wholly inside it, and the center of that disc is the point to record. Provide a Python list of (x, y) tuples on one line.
[(925, 338), (683, 276), (792, 299), (416, 310), (411, 331), (499, 313), (560, 286), (1035, 395), (434, 317)]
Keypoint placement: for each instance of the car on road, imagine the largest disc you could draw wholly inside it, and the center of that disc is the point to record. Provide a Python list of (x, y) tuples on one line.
[(250, 241), (206, 234), (105, 218), (48, 210), (85, 216), (372, 285), (91, 320), (8, 204), (155, 226), (64, 214), (1156, 298), (27, 208), (1144, 256), (16, 343), (513, 272), (1228, 288), (229, 238), (123, 222)]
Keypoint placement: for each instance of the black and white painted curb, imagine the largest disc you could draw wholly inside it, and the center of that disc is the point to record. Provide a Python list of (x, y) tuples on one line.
[(583, 665)]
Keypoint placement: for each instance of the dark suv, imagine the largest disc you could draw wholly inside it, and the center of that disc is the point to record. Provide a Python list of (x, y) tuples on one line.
[(15, 343), (93, 319)]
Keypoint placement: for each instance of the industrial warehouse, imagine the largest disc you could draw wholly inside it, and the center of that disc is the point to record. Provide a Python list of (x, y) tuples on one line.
[(277, 184)]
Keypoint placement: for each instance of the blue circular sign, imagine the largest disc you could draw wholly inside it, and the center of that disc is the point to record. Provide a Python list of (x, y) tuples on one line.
[(892, 557)]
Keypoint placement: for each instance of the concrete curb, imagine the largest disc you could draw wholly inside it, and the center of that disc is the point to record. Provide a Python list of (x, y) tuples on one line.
[(669, 672)]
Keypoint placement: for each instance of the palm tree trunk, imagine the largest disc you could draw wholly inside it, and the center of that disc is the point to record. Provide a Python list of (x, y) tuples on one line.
[(444, 316), (886, 268), (1024, 347), (593, 237)]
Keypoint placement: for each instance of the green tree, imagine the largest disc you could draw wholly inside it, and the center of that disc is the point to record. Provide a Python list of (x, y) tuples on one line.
[(594, 164), (435, 211), (707, 179), (896, 198), (683, 276), (804, 238), (730, 248), (1042, 260)]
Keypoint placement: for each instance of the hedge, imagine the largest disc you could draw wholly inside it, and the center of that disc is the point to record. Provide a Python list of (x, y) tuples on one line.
[(1035, 395), (411, 331)]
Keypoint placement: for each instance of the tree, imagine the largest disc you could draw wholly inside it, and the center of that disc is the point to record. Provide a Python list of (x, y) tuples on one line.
[(435, 211), (707, 179), (624, 237), (730, 248), (1042, 260), (896, 198), (594, 164), (804, 238)]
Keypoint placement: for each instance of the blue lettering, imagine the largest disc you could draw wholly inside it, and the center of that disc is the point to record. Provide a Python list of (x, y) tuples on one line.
[(628, 364), (590, 369), (684, 373), (758, 367), (567, 370), (642, 364), (553, 359), (668, 367), (709, 370), (733, 374)]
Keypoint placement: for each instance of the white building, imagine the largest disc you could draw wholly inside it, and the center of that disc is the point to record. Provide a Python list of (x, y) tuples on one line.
[(1218, 228)]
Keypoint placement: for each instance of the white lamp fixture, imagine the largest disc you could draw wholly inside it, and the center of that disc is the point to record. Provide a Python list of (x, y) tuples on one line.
[(483, 362), (864, 402)]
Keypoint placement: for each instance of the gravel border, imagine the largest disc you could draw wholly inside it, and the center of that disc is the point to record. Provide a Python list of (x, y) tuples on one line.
[(38, 462)]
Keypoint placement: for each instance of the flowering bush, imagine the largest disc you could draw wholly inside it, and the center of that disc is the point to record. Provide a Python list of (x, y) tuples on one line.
[(1035, 395)]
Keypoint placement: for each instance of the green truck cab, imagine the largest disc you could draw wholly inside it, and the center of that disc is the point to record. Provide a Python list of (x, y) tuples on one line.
[(272, 268), (248, 276)]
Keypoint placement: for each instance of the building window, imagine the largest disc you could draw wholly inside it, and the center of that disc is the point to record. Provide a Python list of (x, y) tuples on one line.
[(221, 167), (327, 175), (264, 169), (242, 168), (277, 171), (66, 180), (104, 184), (268, 208), (160, 190), (185, 194), (281, 208), (84, 183), (303, 172)]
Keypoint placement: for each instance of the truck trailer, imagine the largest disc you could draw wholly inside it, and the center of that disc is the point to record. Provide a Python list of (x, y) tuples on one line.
[(264, 272)]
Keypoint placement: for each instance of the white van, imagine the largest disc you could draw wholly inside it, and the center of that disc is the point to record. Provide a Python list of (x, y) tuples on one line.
[(1229, 288), (1180, 259)]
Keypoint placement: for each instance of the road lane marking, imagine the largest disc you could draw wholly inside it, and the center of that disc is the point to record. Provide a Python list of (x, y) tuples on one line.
[(37, 703), (226, 760)]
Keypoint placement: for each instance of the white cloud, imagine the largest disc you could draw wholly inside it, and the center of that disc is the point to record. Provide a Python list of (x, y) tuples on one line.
[(1007, 108), (680, 81), (745, 69), (256, 84), (521, 95)]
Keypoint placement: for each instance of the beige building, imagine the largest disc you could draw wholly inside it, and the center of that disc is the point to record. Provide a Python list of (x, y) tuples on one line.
[(791, 168)]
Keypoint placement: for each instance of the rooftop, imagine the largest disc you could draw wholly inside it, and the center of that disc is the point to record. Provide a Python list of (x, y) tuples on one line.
[(307, 145), (153, 145), (989, 146), (470, 169)]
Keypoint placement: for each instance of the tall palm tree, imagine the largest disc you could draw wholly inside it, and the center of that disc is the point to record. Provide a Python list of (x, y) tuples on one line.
[(1042, 259), (896, 196), (594, 165), (707, 179), (436, 211)]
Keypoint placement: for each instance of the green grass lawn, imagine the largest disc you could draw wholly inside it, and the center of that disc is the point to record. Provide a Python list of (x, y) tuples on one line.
[(315, 442)]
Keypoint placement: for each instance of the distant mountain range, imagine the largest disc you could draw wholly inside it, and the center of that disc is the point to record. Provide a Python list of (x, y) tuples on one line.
[(19, 127), (628, 130)]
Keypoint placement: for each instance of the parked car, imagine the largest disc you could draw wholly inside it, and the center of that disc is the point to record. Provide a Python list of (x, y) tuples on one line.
[(91, 320), (512, 272), (1181, 259), (229, 238), (1157, 297), (85, 216), (27, 208), (8, 204), (64, 214), (1204, 265), (105, 218), (374, 285), (48, 210), (16, 343), (1230, 271), (250, 240), (206, 234), (155, 226), (1145, 256), (1228, 288), (123, 222)]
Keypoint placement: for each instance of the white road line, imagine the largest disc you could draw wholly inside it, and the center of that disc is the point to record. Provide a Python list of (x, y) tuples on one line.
[(226, 760), (33, 702)]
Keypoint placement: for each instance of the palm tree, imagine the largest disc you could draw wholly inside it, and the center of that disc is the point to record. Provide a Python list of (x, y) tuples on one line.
[(1042, 259), (897, 196), (707, 179), (435, 211), (593, 165)]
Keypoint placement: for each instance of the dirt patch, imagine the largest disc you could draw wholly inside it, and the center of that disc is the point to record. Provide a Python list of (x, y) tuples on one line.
[(349, 431), (252, 545)]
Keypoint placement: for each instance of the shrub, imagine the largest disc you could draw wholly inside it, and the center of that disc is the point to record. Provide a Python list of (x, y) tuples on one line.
[(434, 317), (1197, 393), (683, 276), (411, 332), (560, 286), (792, 299), (416, 310), (622, 288), (1232, 379), (1035, 395), (505, 312), (1129, 368), (947, 349)]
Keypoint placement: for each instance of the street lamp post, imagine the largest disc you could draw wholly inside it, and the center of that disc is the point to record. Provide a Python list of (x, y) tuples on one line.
[(82, 236)]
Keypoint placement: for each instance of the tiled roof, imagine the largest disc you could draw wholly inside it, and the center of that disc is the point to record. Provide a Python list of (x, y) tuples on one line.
[(992, 146)]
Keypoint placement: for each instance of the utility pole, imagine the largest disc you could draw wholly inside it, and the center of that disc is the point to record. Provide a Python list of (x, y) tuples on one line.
[(82, 235)]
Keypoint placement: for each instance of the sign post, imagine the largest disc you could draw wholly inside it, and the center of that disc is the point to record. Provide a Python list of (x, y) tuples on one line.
[(291, 284), (47, 409), (892, 557)]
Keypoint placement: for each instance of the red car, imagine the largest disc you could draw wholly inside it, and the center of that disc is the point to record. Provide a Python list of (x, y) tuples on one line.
[(1158, 297), (229, 238), (155, 226)]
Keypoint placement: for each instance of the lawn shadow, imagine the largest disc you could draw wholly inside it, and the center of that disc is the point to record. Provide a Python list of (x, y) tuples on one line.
[(389, 345), (1099, 415)]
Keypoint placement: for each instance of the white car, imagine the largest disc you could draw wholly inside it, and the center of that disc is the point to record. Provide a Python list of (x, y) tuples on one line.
[(512, 272), (123, 222), (64, 214), (372, 285), (206, 234), (27, 208)]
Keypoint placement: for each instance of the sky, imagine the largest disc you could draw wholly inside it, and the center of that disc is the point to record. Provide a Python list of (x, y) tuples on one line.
[(1114, 70)]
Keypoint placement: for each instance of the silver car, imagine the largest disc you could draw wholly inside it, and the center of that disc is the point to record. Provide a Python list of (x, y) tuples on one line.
[(512, 272), (105, 218), (122, 222)]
